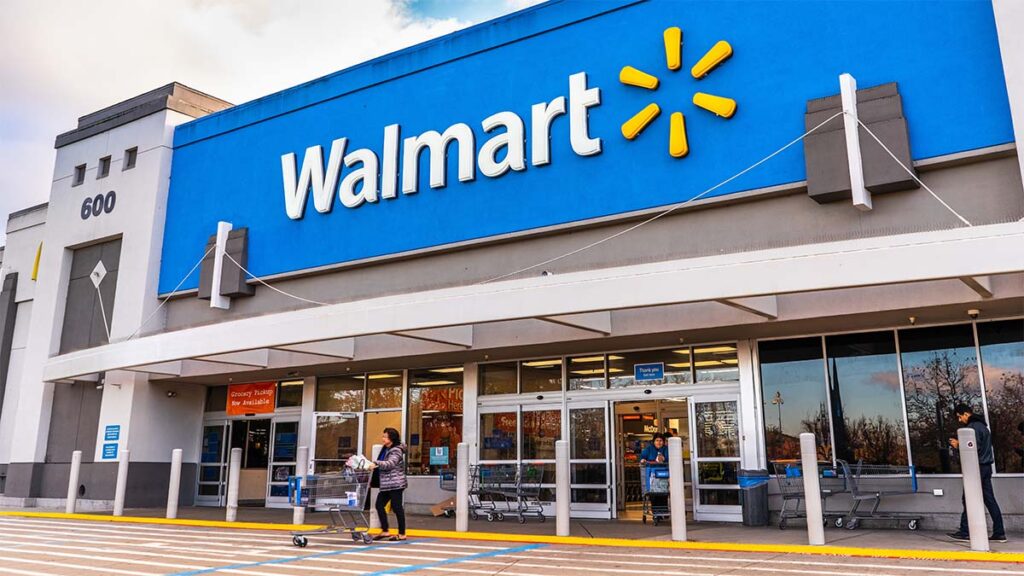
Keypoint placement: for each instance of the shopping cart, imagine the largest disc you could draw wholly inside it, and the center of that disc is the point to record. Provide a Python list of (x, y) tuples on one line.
[(872, 482), (447, 483), (832, 480), (654, 492), (528, 486), (496, 492), (342, 494)]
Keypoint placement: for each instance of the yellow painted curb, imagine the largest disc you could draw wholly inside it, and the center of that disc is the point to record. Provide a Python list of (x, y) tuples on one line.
[(850, 551)]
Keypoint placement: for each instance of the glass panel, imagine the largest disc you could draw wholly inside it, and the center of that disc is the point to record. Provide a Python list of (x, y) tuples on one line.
[(435, 418), (717, 473), (209, 473), (216, 399), (209, 489), (279, 491), (289, 393), (213, 443), (257, 445), (373, 430), (716, 363), (498, 378), (286, 438), (384, 390), (541, 375), (336, 438), (281, 474), (1002, 359), (540, 431), (587, 372), (867, 414), (940, 370), (590, 495), (675, 367), (794, 397), (589, 473), (538, 473), (717, 429), (340, 394), (719, 497), (498, 436), (328, 466), (587, 434)]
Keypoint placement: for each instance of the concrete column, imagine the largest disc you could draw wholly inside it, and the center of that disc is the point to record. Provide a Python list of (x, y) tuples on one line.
[(374, 519), (676, 489), (122, 482), (76, 466), (562, 492), (234, 471), (462, 488), (301, 459), (973, 500), (812, 489), (174, 484)]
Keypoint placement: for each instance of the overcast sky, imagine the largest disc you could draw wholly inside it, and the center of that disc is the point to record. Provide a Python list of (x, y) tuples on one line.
[(61, 59)]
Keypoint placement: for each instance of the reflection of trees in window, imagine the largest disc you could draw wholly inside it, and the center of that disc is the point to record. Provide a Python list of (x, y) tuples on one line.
[(793, 393), (817, 425), (1002, 358), (939, 372)]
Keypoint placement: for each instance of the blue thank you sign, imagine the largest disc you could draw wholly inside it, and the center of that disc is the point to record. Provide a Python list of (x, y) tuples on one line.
[(652, 371)]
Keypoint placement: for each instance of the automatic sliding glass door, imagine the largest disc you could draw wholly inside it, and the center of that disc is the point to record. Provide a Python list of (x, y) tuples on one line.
[(589, 465), (716, 443)]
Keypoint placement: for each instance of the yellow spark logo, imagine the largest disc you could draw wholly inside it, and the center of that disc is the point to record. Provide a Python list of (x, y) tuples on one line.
[(719, 105)]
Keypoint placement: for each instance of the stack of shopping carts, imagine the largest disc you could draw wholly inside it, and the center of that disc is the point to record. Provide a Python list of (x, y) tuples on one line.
[(872, 483), (654, 491), (342, 495), (790, 475), (497, 491)]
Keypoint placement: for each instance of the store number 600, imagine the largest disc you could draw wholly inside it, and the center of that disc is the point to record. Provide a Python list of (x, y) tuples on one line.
[(100, 204)]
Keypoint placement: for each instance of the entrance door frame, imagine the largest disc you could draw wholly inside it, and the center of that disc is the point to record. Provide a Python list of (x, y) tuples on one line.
[(220, 499), (279, 501), (715, 513)]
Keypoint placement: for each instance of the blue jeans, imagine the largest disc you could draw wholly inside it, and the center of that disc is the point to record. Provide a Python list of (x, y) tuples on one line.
[(990, 503)]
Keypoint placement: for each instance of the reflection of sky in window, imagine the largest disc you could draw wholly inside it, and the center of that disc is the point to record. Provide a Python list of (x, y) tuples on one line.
[(962, 361), (802, 386), (1000, 360), (869, 386)]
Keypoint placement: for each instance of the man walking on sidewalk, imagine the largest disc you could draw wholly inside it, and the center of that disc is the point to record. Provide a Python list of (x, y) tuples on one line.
[(965, 414)]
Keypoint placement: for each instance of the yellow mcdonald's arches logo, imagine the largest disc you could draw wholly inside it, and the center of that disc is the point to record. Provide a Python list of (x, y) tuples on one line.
[(678, 146)]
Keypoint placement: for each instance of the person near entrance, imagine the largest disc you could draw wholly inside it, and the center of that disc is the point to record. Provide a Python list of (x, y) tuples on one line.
[(390, 467), (655, 454), (965, 414)]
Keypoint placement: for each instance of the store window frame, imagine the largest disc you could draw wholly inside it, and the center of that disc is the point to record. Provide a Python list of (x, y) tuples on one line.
[(406, 413)]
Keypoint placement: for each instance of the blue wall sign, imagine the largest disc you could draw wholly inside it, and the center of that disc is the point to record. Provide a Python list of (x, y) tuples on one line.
[(112, 433), (109, 452), (439, 456), (652, 371), (231, 165)]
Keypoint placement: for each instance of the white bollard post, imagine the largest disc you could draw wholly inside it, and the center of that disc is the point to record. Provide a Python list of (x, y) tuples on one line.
[(676, 489), (562, 492), (301, 463), (812, 489), (234, 471), (973, 500), (122, 482), (174, 484), (462, 488), (76, 465), (374, 519)]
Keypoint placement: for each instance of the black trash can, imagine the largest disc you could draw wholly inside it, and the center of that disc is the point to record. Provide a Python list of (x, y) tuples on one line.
[(754, 497)]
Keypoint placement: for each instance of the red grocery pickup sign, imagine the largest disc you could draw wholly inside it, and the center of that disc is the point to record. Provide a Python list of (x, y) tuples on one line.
[(255, 398)]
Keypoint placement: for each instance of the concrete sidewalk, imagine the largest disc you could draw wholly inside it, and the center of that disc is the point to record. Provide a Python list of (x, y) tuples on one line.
[(796, 534)]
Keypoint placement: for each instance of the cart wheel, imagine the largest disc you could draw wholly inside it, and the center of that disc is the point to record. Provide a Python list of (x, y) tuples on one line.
[(354, 535), (656, 521), (474, 516), (912, 525), (543, 518), (839, 522), (824, 522), (367, 539), (852, 524), (501, 517), (645, 519), (300, 541), (490, 517), (522, 519), (782, 524), (448, 513)]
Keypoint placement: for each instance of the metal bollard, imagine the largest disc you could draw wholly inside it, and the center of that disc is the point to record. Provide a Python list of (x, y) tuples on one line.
[(374, 518), (562, 492), (76, 465), (122, 482), (174, 484), (676, 490), (235, 470), (973, 500), (301, 463), (812, 490), (462, 488)]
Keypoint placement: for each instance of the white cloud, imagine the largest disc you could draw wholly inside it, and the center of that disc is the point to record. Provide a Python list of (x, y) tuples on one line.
[(65, 58)]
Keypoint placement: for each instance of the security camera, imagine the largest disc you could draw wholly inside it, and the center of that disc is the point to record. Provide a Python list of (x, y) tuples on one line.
[(973, 313), (913, 320)]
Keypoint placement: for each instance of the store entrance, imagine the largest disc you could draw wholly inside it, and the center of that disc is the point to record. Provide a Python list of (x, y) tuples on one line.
[(636, 423)]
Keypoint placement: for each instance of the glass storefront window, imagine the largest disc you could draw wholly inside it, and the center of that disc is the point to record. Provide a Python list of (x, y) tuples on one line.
[(1002, 359), (384, 390), (216, 399), (544, 375), (940, 370), (588, 372), (498, 378), (867, 412), (716, 363), (337, 438), (541, 428), (435, 418), (675, 364), (793, 397), (498, 436), (587, 429), (717, 425), (289, 393), (340, 394)]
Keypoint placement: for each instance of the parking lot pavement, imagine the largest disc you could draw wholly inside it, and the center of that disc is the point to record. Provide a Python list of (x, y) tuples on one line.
[(34, 546)]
